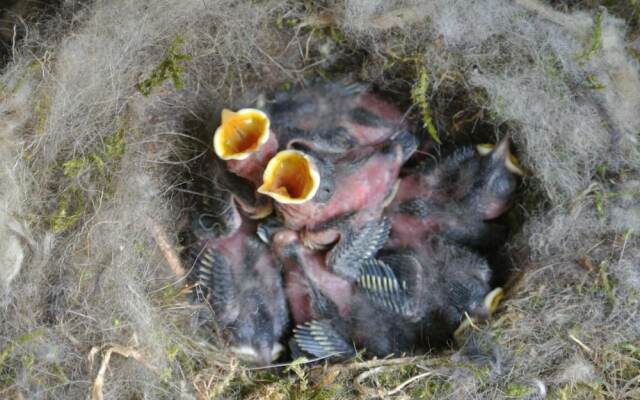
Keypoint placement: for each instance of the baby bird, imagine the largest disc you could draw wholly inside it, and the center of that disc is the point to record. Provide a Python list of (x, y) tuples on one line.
[(325, 117), (245, 142), (483, 179), (456, 197), (333, 117), (337, 200), (242, 284), (438, 284), (333, 317)]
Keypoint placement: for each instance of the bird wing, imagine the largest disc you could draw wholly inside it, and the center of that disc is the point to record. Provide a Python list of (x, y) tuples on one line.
[(213, 272), (380, 284), (354, 247), (320, 339)]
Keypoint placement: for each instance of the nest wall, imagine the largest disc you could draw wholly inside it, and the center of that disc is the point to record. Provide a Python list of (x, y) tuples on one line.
[(108, 107)]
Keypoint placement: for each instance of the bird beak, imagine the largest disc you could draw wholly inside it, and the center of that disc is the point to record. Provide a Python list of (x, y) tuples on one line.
[(260, 210), (489, 306), (241, 134), (291, 177), (276, 351), (493, 299), (260, 356), (502, 152)]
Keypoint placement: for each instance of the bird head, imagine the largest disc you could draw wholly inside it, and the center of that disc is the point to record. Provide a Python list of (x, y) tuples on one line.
[(252, 335), (499, 173), (241, 133), (291, 177), (501, 154)]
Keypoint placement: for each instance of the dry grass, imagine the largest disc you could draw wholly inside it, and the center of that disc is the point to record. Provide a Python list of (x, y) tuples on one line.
[(88, 164)]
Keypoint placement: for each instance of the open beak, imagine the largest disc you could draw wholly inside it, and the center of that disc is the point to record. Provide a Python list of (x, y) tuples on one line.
[(241, 134), (502, 152), (291, 177)]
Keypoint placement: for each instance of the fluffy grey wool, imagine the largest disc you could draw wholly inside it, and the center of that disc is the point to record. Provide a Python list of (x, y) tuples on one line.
[(94, 176)]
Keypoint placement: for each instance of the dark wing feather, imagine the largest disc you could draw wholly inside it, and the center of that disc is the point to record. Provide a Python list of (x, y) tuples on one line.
[(213, 272), (380, 284), (355, 247), (320, 339)]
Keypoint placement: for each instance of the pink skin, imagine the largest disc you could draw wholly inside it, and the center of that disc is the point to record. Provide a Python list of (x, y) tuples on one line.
[(370, 135), (383, 109), (426, 187), (339, 291), (362, 190), (252, 167), (408, 231), (494, 209)]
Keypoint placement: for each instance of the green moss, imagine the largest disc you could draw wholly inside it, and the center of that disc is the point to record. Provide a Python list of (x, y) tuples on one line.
[(595, 43), (31, 68), (604, 283), (517, 391), (99, 167), (7, 372), (114, 144), (621, 363), (578, 391), (552, 66), (296, 367), (432, 388), (41, 108), (69, 211), (396, 376), (75, 166), (594, 83), (419, 97), (169, 68), (598, 198)]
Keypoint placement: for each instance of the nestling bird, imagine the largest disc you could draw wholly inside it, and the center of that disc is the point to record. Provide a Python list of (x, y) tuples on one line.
[(242, 283), (441, 282), (337, 200), (333, 117), (245, 142), (484, 179), (327, 118), (333, 317), (456, 197)]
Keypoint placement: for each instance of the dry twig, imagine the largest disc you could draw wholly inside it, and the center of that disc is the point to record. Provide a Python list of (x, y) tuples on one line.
[(98, 383), (167, 250)]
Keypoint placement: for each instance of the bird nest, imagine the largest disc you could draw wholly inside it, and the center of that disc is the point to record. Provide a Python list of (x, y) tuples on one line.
[(108, 110)]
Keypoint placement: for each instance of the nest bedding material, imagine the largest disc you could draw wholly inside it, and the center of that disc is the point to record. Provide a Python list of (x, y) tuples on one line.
[(106, 105)]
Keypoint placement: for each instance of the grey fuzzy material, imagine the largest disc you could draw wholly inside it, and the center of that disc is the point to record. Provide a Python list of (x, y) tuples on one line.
[(70, 85)]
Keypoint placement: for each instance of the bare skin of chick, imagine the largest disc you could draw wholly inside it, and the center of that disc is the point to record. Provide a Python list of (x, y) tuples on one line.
[(331, 118), (347, 206)]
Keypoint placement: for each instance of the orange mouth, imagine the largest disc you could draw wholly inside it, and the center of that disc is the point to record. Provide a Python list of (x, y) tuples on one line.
[(290, 178), (241, 133)]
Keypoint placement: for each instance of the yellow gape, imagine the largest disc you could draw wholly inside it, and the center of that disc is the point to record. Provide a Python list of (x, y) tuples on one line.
[(511, 161), (241, 133), (492, 300), (290, 178)]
